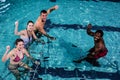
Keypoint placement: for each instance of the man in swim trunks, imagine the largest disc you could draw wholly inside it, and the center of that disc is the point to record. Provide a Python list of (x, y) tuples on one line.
[(28, 34), (40, 22), (16, 56), (99, 50)]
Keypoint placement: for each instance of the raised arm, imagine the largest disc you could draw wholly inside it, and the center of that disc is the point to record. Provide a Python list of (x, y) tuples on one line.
[(28, 55), (16, 29), (52, 8), (89, 32), (6, 56)]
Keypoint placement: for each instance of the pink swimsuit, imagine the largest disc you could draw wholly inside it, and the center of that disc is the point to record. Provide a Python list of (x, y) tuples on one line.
[(17, 58)]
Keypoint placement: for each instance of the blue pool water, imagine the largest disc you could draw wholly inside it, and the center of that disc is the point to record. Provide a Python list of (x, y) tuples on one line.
[(68, 25)]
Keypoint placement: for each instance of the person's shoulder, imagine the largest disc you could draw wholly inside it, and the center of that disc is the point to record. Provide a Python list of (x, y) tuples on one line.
[(24, 50), (102, 41), (12, 51), (24, 31), (38, 19)]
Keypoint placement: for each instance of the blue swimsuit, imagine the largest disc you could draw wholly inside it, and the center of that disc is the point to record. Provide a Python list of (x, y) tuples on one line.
[(27, 41)]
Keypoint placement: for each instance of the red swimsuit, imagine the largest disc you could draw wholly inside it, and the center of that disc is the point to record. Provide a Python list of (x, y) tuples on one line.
[(101, 54), (17, 58)]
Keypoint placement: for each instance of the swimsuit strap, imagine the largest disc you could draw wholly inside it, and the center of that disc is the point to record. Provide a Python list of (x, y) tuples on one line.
[(28, 35), (17, 58)]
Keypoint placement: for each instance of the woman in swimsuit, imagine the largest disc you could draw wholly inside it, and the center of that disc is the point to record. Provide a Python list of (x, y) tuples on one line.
[(16, 55), (28, 34)]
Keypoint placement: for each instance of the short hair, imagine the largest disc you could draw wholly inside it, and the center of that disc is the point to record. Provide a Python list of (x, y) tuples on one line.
[(43, 11), (30, 21), (100, 31), (18, 40)]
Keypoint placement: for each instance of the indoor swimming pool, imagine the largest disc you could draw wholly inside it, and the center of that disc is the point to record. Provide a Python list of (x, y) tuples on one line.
[(68, 24)]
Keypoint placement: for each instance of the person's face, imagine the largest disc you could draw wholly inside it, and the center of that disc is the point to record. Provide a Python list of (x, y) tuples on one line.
[(30, 26), (97, 36), (43, 17), (20, 45)]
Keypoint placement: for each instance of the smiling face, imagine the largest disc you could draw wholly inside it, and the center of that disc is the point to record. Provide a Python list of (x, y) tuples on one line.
[(30, 26), (97, 36), (43, 17), (19, 43)]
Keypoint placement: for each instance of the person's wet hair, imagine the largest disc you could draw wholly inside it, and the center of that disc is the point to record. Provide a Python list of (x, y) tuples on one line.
[(30, 22), (100, 31), (18, 40), (43, 11)]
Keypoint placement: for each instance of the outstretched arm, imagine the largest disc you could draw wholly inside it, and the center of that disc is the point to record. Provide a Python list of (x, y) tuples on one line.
[(48, 36), (16, 29), (6, 56), (45, 34), (30, 57), (89, 32), (52, 8), (36, 38)]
